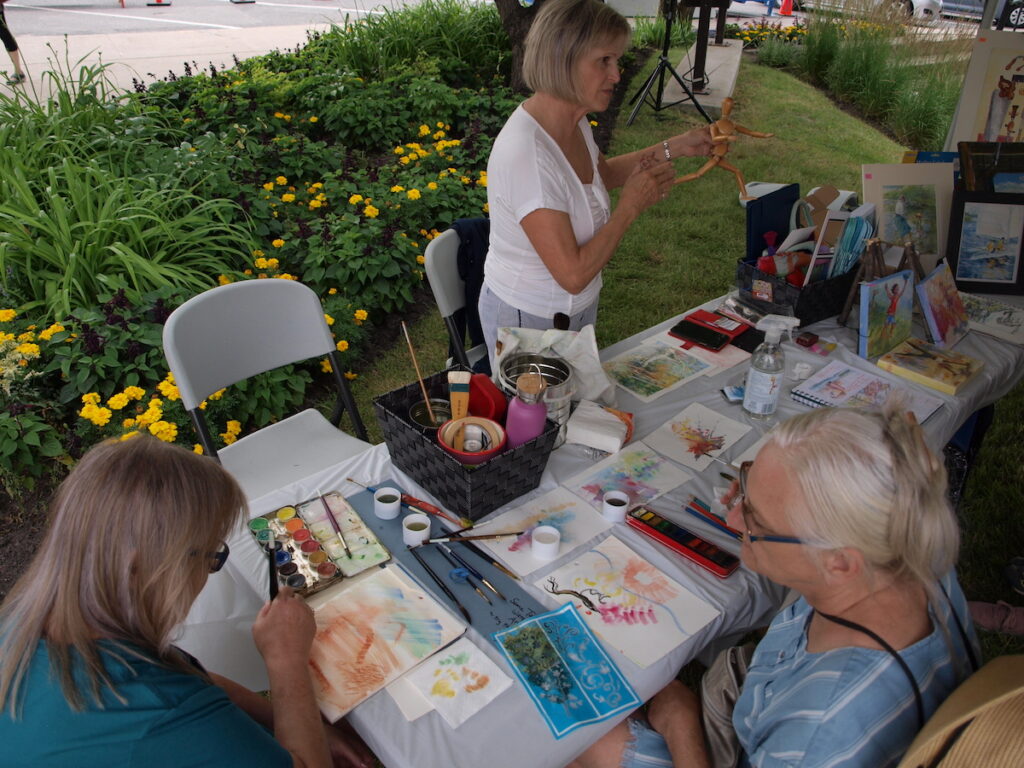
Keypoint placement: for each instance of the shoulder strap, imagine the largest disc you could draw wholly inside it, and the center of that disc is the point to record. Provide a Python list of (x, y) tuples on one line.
[(892, 652), (975, 665)]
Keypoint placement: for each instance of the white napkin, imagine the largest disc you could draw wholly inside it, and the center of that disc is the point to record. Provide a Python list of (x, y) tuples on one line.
[(592, 425)]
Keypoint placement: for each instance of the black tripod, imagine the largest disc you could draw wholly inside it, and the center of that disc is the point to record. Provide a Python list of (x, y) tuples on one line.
[(659, 73)]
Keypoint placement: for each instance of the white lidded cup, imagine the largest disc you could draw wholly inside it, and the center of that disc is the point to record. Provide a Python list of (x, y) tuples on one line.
[(387, 503), (415, 529), (614, 505), (545, 541)]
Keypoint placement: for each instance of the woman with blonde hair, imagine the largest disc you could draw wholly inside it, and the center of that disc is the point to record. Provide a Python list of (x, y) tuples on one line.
[(552, 225), (88, 674), (848, 508)]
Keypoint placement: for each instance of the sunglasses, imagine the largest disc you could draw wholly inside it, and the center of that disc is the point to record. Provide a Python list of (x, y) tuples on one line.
[(746, 510), (218, 558)]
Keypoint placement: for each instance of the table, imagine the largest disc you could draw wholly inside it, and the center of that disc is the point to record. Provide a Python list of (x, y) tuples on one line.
[(509, 732)]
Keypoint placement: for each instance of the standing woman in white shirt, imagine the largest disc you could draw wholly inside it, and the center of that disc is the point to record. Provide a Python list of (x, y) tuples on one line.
[(552, 226)]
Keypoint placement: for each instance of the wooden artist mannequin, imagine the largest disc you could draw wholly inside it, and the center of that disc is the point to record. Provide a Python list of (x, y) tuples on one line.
[(723, 132)]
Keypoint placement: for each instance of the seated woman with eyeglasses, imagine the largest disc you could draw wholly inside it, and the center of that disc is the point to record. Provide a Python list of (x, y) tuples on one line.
[(88, 674), (848, 508)]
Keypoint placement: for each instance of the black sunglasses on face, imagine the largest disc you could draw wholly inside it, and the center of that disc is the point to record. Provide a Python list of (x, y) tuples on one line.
[(218, 558)]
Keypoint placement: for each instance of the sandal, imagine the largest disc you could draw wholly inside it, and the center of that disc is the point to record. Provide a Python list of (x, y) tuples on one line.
[(997, 617), (1015, 574), (17, 78)]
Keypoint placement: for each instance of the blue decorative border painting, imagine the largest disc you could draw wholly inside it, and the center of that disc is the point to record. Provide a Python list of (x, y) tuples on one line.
[(563, 667)]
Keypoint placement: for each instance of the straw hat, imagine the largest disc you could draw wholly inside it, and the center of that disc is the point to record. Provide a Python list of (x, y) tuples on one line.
[(980, 724)]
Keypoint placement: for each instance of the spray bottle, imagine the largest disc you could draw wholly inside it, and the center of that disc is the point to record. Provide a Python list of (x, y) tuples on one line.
[(767, 367)]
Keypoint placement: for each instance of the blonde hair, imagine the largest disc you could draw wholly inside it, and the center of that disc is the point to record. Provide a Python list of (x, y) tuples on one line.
[(870, 482), (562, 32), (129, 536)]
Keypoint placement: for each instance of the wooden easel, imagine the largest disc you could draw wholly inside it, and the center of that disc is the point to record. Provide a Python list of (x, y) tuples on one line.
[(872, 267), (910, 259)]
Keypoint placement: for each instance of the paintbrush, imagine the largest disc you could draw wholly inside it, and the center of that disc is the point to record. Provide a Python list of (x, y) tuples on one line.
[(488, 559), (450, 553), (441, 584), (334, 524), (443, 539), (733, 467), (458, 396), (272, 559), (418, 505), (419, 376), (465, 572)]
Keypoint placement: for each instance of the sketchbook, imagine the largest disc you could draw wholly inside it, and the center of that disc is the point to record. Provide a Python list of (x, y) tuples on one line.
[(841, 385)]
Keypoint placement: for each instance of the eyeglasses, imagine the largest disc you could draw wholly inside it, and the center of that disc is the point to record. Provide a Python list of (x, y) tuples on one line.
[(218, 558), (746, 510)]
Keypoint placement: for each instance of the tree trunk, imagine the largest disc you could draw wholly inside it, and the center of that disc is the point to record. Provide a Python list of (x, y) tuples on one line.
[(516, 20)]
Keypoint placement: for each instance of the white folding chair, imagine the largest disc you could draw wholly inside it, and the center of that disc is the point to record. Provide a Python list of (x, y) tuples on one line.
[(235, 331), (442, 267)]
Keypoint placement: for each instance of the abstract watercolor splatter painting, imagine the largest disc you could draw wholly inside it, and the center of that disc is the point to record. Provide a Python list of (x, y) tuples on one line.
[(369, 633), (575, 519), (655, 368), (566, 672), (459, 681), (632, 605), (695, 432), (636, 470)]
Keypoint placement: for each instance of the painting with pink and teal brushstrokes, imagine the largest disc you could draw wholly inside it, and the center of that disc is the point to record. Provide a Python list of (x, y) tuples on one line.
[(576, 521), (631, 605), (370, 633), (636, 470)]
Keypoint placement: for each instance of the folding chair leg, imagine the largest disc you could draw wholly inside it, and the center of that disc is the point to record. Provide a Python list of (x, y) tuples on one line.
[(204, 434), (345, 400)]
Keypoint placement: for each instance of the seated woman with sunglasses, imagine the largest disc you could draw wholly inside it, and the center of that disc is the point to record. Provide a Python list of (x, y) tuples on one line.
[(88, 674), (848, 508)]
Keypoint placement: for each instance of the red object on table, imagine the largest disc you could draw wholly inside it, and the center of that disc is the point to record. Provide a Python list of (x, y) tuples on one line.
[(485, 399)]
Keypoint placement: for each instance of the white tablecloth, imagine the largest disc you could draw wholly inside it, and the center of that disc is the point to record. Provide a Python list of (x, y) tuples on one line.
[(510, 732)]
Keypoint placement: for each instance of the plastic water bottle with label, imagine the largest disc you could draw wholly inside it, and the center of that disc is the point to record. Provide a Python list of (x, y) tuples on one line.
[(767, 368)]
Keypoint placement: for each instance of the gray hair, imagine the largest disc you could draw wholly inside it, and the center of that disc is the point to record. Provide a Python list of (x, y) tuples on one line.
[(561, 33)]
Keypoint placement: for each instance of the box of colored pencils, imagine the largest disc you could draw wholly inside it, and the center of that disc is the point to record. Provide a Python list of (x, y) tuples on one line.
[(310, 554)]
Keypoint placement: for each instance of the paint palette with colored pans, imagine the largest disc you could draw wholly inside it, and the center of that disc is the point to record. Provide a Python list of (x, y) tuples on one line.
[(310, 556)]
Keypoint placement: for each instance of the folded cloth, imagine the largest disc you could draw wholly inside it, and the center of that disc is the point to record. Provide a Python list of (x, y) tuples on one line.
[(592, 425)]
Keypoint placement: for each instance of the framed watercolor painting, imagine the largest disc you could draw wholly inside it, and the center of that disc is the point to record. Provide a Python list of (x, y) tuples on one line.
[(942, 308), (886, 312), (985, 237), (993, 91), (911, 203)]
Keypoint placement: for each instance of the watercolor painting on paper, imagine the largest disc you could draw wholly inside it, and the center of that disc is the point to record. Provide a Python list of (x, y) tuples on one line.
[(630, 604), (994, 318), (370, 633), (459, 681), (942, 308), (574, 518), (694, 434), (990, 243), (655, 368), (639, 472), (566, 672)]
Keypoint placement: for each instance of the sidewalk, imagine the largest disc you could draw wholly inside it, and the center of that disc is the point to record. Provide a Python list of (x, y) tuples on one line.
[(148, 55)]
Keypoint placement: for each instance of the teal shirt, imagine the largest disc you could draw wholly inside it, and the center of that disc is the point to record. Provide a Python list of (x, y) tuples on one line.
[(171, 719)]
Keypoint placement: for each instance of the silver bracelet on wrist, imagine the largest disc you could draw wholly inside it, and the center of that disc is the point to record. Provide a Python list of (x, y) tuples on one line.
[(668, 154)]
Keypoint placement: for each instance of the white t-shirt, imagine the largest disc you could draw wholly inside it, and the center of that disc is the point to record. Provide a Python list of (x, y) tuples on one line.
[(527, 171)]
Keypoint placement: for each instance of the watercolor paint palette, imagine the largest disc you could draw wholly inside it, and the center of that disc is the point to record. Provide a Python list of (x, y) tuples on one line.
[(310, 554)]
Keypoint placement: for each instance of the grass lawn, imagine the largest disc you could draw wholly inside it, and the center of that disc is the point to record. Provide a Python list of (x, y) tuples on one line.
[(683, 252)]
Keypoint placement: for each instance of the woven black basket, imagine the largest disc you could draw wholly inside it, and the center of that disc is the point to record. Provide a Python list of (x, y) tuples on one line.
[(469, 491), (774, 295)]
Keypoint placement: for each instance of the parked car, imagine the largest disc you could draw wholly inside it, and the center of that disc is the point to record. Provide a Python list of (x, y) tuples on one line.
[(919, 10), (963, 9)]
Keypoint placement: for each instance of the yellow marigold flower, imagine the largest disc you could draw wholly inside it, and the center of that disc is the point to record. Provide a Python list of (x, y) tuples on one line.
[(424, 130), (325, 366), (438, 135), (6, 337), (322, 197), (169, 390), (361, 314), (354, 199), (234, 427), (118, 401), (164, 430), (331, 291), (23, 363), (258, 253), (260, 263), (128, 436), (422, 152), (466, 180), (50, 332), (217, 395), (269, 186), (288, 198), (314, 204), (134, 393), (594, 123), (279, 114), (223, 280), (329, 320), (342, 345), (261, 276), (486, 208), (91, 398), (6, 315), (26, 336), (282, 180), (420, 259), (405, 160), (286, 276), (350, 376), (314, 119), (98, 416), (399, 150), (371, 212), (197, 448), (278, 243), (441, 125), (443, 174), (202, 405), (128, 423), (431, 185), (413, 194), (398, 188), (317, 185)]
